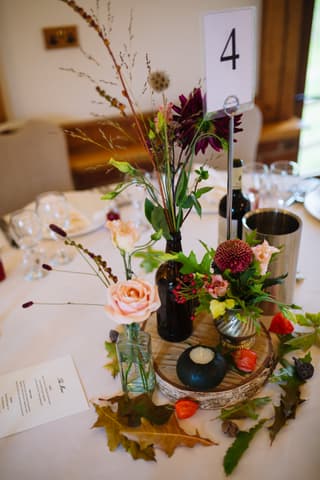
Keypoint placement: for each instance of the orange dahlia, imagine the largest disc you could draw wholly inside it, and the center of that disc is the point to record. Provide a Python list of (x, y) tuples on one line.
[(235, 255)]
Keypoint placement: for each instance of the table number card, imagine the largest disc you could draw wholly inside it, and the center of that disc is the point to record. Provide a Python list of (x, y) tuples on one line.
[(39, 394), (229, 39)]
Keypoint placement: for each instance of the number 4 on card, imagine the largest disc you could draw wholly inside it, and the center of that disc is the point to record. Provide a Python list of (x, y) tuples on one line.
[(234, 56)]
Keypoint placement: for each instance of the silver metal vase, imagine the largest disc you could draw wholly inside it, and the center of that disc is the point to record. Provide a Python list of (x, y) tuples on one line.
[(236, 333)]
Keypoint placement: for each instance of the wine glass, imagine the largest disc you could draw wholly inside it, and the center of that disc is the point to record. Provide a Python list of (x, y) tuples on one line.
[(25, 228), (284, 181), (53, 208), (255, 186), (136, 195)]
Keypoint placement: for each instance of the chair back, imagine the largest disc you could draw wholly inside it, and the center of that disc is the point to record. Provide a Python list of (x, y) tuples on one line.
[(33, 159)]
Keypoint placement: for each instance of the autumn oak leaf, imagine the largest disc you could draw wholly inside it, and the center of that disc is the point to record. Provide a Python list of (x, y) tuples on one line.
[(113, 365), (109, 420), (167, 437)]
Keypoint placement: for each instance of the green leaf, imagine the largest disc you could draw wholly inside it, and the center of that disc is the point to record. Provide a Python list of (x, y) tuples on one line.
[(156, 235), (201, 191), (244, 409), (148, 209), (181, 189), (124, 167), (196, 204), (303, 341), (159, 221), (308, 319), (202, 173), (188, 202), (239, 446), (110, 195), (113, 365)]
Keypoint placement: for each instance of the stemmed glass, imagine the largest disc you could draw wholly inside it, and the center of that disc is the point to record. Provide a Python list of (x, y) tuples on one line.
[(25, 228), (285, 179), (255, 183), (53, 208), (137, 195)]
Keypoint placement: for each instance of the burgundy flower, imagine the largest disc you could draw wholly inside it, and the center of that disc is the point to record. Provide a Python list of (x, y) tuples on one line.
[(189, 119), (235, 255)]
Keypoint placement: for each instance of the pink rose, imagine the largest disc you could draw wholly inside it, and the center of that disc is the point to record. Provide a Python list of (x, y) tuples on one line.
[(124, 235), (263, 253), (131, 301), (217, 286)]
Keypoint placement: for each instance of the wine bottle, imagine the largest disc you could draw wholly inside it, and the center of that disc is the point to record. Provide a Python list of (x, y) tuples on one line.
[(240, 206), (174, 320)]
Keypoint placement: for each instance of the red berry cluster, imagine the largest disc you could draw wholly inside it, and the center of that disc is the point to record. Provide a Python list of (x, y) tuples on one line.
[(113, 215), (185, 289)]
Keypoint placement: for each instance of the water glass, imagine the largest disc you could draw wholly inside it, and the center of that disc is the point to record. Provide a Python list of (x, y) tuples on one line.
[(255, 183), (284, 181), (25, 228), (53, 207)]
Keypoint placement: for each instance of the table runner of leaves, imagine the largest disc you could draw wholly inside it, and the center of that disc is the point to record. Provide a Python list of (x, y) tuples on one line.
[(140, 426)]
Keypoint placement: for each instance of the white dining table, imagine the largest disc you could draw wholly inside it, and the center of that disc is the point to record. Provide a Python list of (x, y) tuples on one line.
[(68, 448)]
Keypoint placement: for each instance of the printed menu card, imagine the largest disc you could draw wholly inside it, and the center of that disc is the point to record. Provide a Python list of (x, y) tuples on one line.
[(39, 394)]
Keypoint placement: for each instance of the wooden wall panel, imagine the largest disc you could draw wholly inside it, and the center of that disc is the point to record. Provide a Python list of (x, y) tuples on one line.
[(3, 115), (285, 33)]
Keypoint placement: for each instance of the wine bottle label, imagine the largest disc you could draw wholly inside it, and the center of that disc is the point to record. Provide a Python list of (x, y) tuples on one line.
[(222, 229), (236, 178)]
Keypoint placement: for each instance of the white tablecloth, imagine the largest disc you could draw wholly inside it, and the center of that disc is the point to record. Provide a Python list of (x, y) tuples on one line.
[(68, 448)]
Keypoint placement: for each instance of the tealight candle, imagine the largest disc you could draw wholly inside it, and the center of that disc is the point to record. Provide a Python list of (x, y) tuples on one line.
[(201, 355), (201, 367)]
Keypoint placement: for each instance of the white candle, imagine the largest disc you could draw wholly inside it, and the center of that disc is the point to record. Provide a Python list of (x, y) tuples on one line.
[(201, 355)]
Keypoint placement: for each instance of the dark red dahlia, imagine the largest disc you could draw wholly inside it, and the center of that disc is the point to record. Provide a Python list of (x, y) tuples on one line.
[(189, 119), (235, 255)]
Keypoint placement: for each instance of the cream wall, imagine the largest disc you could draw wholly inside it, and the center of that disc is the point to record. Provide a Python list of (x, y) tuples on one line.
[(31, 77)]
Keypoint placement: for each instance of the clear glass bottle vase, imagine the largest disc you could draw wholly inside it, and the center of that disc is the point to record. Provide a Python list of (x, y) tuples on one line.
[(135, 360)]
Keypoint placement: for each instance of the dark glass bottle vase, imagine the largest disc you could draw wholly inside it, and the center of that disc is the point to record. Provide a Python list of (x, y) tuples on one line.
[(174, 320)]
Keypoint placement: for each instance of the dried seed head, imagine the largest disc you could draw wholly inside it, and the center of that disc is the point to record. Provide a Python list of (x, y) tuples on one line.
[(57, 230), (27, 304), (230, 428), (45, 266), (159, 81)]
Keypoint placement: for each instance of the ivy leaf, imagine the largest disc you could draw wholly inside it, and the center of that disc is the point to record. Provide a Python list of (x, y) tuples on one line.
[(239, 446), (112, 425), (112, 366), (244, 409), (167, 437)]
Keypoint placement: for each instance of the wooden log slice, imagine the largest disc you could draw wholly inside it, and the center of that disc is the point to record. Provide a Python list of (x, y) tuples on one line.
[(234, 388)]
